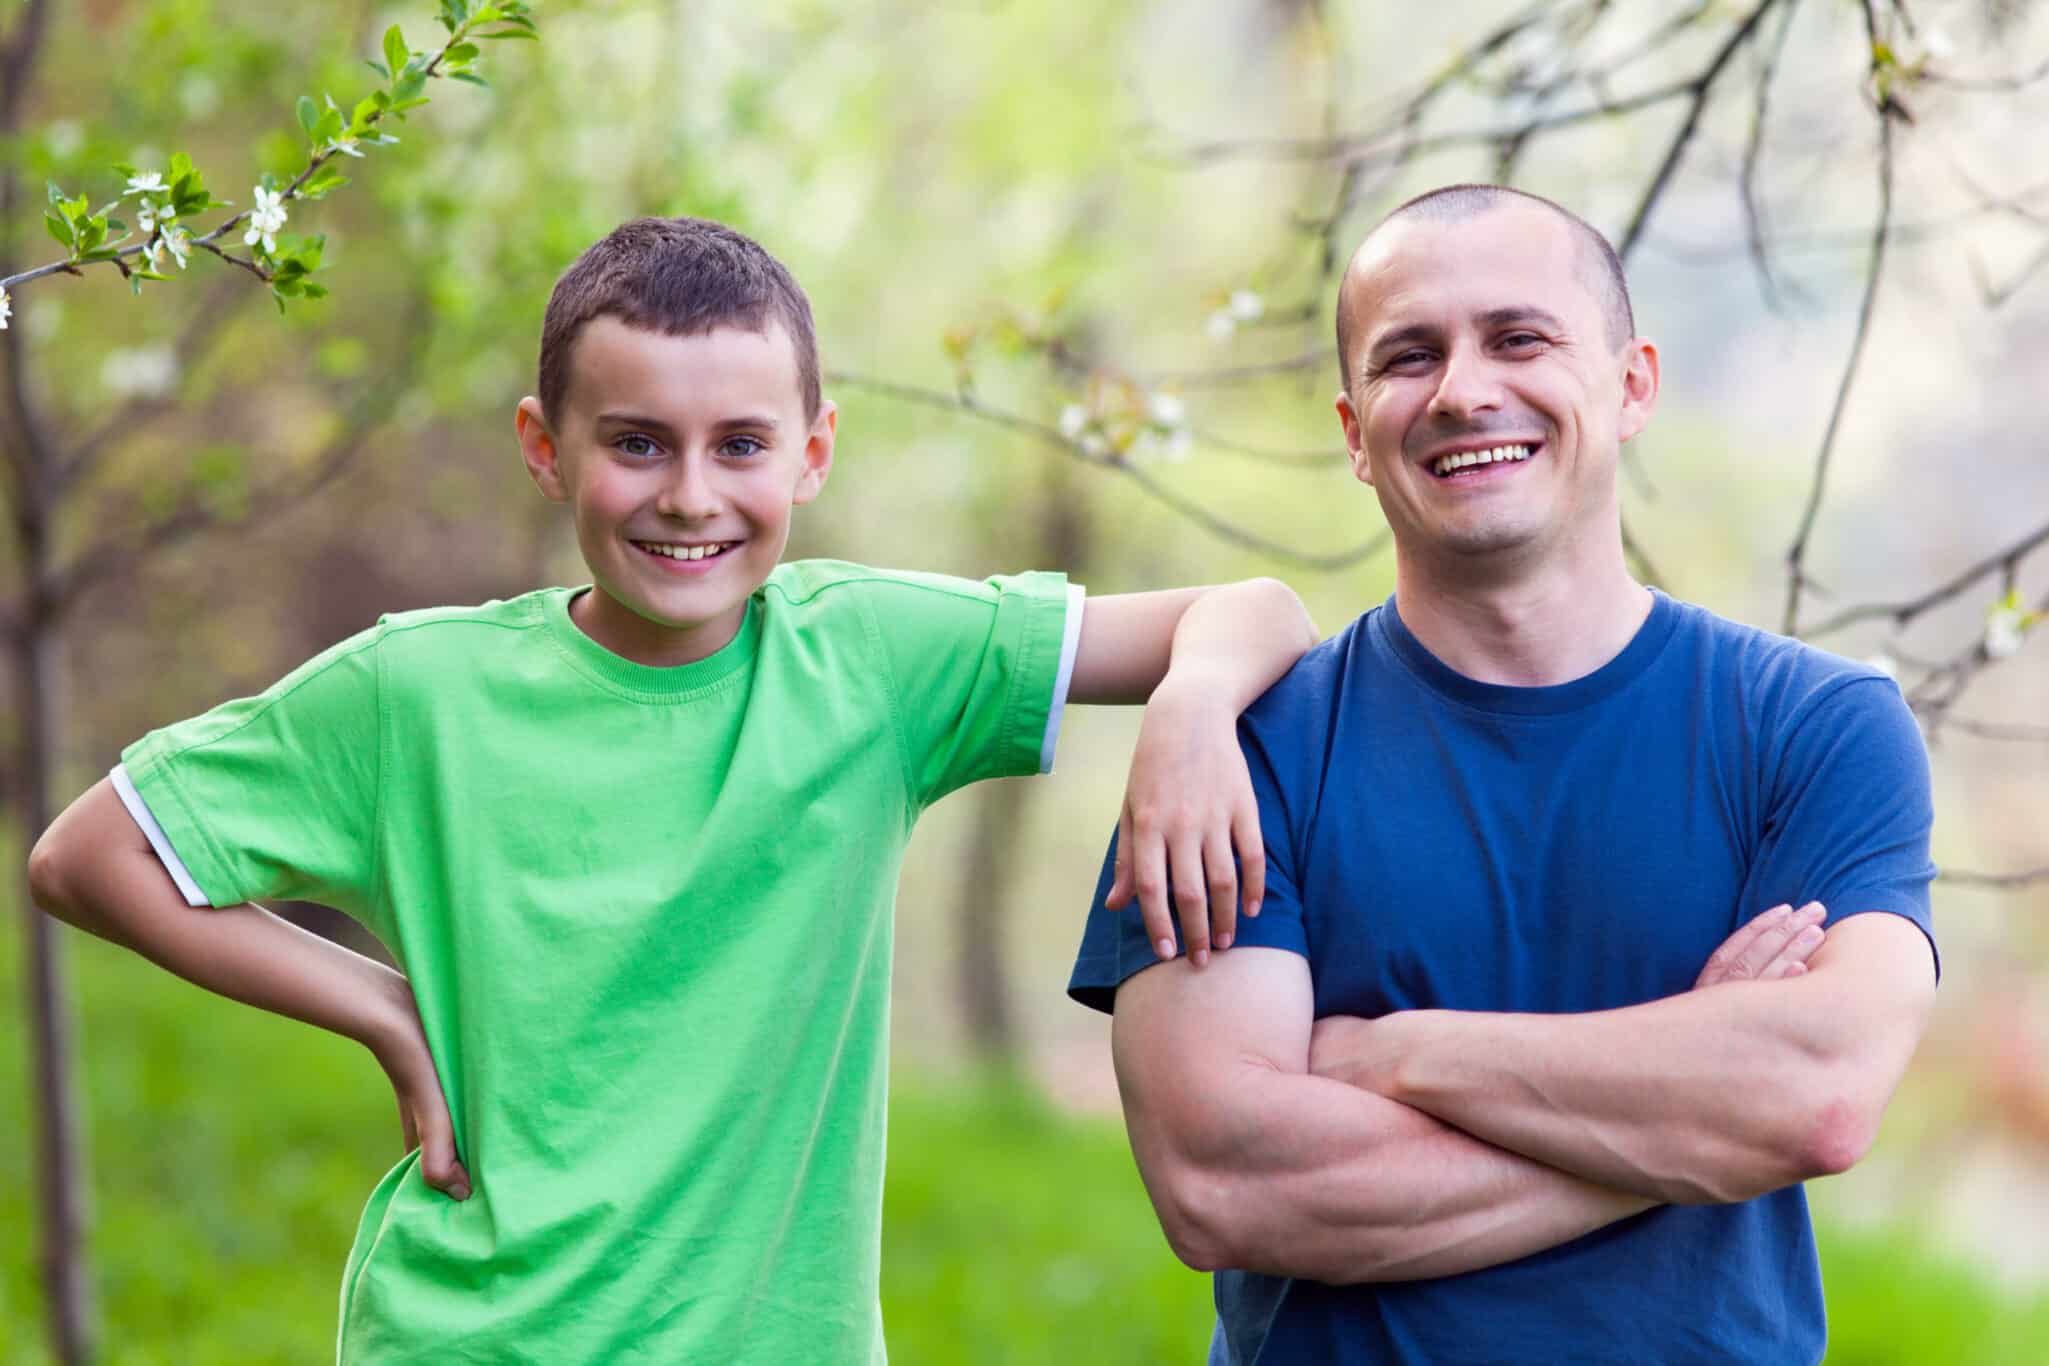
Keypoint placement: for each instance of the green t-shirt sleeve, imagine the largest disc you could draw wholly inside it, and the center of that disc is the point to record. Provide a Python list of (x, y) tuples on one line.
[(275, 795), (973, 666)]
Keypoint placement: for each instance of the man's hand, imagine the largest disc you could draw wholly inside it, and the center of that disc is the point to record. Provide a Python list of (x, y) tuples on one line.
[(1775, 945), (401, 1049), (1187, 806)]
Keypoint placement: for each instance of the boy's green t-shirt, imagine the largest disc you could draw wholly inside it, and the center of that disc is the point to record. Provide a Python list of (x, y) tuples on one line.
[(646, 916)]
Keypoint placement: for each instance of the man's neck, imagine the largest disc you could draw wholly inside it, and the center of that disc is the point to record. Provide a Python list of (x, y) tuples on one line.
[(1530, 630)]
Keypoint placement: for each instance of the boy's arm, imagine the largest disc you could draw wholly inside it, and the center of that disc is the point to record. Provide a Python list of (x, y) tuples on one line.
[(94, 868), (1198, 657)]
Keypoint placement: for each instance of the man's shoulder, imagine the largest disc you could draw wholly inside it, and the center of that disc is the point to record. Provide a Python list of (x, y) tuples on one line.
[(1311, 688), (1776, 673)]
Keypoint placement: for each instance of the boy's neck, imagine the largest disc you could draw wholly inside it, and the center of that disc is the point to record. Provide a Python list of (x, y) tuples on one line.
[(633, 637)]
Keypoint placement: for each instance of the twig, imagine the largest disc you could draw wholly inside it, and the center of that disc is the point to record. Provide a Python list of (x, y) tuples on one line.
[(1796, 557), (2004, 561), (1753, 153), (968, 406), (1699, 90), (1993, 881)]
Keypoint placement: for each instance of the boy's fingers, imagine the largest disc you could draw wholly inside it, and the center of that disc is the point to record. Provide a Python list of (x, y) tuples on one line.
[(1223, 889), (1120, 876), (1184, 869), (1149, 881), (1784, 968), (1251, 857), (437, 1157)]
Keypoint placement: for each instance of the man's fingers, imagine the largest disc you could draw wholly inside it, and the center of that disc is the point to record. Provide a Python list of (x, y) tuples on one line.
[(1222, 874), (1251, 856), (1184, 869)]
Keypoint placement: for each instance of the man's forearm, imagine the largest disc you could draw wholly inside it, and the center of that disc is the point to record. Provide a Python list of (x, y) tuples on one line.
[(1708, 1096), (1329, 1183)]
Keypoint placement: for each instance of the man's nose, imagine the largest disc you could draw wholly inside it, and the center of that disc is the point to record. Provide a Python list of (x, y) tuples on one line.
[(687, 494), (1467, 385)]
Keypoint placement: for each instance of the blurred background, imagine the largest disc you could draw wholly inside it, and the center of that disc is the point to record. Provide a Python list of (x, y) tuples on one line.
[(1072, 267)]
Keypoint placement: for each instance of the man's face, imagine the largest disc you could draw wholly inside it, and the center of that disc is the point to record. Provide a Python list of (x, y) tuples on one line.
[(680, 458), (1486, 402)]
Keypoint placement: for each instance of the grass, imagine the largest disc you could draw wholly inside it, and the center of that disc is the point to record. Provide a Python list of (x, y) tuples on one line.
[(232, 1153)]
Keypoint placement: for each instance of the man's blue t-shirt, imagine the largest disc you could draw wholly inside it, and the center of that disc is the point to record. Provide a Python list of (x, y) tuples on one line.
[(1437, 842)]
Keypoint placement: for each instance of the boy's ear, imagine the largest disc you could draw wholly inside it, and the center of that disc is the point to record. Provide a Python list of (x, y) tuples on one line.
[(537, 448), (818, 452)]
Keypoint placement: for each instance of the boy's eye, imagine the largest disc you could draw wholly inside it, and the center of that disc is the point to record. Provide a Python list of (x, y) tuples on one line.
[(636, 445)]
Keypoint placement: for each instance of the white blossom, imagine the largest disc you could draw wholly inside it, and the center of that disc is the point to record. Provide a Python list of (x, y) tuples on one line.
[(265, 219), (179, 241), (1095, 444), (139, 372), (1221, 325), (345, 145), (1167, 410), (2004, 630), (1245, 306), (153, 253), (148, 182), (6, 309), (1072, 419), (1180, 442)]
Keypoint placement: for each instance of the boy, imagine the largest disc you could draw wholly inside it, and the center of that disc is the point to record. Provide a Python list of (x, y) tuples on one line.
[(635, 846)]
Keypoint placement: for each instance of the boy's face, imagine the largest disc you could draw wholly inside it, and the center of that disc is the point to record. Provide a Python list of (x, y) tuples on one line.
[(680, 458)]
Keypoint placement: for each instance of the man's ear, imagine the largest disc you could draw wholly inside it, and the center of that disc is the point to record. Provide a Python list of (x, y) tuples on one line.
[(1639, 389), (818, 452), (1355, 441), (538, 450)]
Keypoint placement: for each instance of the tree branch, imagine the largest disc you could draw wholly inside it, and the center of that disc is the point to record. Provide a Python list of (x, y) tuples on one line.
[(2000, 561), (2004, 882)]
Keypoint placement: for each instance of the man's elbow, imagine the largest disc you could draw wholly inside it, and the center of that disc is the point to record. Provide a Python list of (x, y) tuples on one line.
[(1197, 1212), (1838, 1135)]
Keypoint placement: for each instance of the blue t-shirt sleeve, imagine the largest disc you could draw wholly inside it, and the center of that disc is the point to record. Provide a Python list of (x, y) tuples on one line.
[(1849, 809), (1113, 943)]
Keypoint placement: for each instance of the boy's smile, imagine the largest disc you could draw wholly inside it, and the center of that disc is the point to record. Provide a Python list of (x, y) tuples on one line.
[(681, 458)]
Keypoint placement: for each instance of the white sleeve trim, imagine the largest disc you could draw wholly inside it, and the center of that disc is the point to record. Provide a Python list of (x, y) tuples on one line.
[(1070, 642), (139, 809)]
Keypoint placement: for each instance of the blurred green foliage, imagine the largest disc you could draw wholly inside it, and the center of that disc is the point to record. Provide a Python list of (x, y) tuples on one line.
[(234, 1150)]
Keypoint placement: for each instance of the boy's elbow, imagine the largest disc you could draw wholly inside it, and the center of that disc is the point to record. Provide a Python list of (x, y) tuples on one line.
[(1286, 605), (48, 880)]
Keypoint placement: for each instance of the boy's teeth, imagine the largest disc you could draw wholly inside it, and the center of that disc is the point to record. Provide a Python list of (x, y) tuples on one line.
[(684, 552), (1446, 464)]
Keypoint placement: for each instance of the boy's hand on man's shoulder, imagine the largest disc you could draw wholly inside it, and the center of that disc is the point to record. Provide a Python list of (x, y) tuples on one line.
[(1188, 808)]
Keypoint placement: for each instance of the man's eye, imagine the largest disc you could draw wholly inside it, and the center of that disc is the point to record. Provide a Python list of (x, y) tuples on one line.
[(1522, 341), (1407, 360), (636, 445), (744, 446)]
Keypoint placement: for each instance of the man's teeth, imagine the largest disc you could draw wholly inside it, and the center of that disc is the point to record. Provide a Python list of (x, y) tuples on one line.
[(1445, 464), (684, 552)]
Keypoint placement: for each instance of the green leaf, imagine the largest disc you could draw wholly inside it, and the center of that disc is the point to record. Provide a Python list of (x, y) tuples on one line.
[(316, 291), (125, 171), (378, 67), (328, 128), (92, 234), (309, 114), (323, 180), (59, 226), (99, 254), (513, 33), (463, 53), (470, 76), (181, 166), (395, 50), (366, 109), (117, 225), (408, 87), (487, 14)]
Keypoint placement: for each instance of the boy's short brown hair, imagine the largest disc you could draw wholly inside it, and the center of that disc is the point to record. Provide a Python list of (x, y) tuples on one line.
[(680, 277)]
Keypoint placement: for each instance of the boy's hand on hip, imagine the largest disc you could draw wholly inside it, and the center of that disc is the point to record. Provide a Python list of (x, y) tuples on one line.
[(422, 1109), (1187, 807)]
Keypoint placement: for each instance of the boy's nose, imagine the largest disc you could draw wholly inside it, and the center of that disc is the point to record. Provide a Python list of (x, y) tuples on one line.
[(688, 495)]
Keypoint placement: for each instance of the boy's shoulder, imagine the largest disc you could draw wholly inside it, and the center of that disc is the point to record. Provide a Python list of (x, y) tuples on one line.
[(522, 613), (802, 583)]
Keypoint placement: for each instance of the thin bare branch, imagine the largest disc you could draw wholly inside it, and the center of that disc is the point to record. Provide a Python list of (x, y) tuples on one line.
[(1996, 730), (1998, 85), (1755, 234), (2003, 561), (1224, 376), (1796, 556), (967, 405), (2000, 882), (1699, 91)]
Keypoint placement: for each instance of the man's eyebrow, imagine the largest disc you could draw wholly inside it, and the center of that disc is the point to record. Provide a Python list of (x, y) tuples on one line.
[(1403, 336), (1520, 313)]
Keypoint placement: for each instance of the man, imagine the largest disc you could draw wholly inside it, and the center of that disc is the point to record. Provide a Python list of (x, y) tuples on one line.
[(1465, 1092)]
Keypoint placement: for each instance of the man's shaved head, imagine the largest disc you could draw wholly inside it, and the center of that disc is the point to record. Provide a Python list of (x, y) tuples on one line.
[(1600, 267)]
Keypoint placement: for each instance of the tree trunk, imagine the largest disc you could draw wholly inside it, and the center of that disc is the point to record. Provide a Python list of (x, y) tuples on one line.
[(988, 891)]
